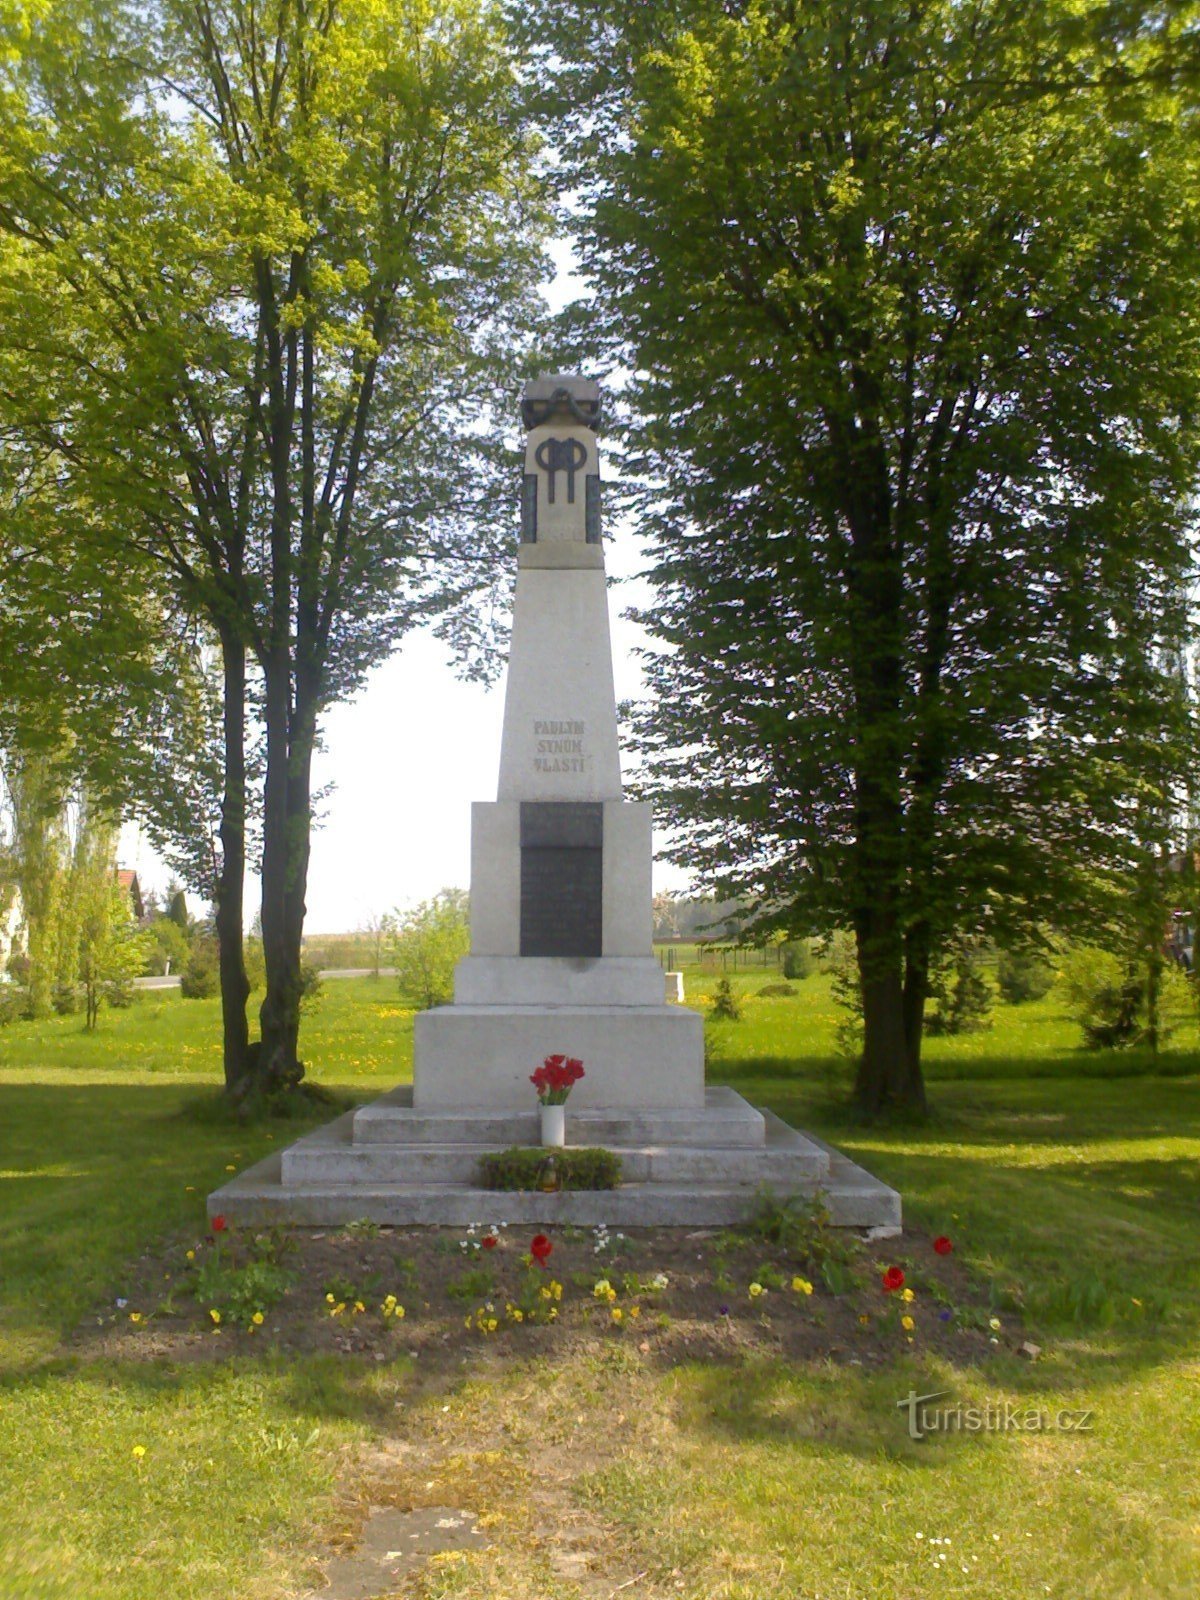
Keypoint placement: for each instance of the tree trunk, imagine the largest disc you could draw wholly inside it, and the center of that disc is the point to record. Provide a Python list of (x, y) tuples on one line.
[(230, 900), (889, 1070), (279, 1066)]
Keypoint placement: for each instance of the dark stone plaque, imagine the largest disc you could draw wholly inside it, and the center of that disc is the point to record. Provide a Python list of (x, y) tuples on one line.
[(562, 880), (529, 508)]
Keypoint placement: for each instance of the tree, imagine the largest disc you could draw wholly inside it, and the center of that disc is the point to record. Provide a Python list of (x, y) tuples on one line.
[(427, 944), (273, 272), (112, 948), (379, 929), (912, 425)]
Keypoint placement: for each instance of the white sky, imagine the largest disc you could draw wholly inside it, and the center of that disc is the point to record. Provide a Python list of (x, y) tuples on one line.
[(408, 756)]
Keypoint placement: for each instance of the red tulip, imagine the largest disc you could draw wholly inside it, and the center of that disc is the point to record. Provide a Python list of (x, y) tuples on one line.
[(942, 1245), (490, 1241), (893, 1278), (540, 1249)]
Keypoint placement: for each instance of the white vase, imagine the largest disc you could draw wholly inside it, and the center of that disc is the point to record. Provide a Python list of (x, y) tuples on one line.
[(554, 1125)]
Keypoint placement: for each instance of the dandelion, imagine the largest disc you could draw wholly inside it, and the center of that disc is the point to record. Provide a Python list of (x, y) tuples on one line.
[(907, 1324), (230, 1169), (191, 1255), (801, 1286), (257, 1319), (139, 1450)]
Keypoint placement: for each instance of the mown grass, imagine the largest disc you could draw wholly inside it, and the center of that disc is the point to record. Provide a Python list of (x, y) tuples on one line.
[(1073, 1195)]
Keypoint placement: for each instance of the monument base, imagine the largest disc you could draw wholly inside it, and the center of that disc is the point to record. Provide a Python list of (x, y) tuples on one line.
[(636, 1057), (397, 1163)]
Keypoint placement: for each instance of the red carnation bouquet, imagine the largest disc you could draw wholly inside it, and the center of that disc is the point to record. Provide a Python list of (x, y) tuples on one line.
[(555, 1079)]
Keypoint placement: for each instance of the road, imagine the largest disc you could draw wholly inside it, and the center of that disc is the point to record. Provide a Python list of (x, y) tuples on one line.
[(172, 980)]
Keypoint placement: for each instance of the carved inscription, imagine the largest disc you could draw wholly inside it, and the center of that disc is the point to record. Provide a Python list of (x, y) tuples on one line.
[(559, 746)]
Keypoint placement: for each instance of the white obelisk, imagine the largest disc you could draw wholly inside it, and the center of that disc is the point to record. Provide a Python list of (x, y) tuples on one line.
[(561, 959)]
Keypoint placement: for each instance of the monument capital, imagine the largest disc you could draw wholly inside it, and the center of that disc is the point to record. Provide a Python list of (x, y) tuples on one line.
[(563, 398)]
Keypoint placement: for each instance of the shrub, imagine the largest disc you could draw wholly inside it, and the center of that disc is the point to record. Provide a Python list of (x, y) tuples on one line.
[(201, 978), (428, 943), (1104, 995), (1023, 974), (14, 1003), (776, 991), (521, 1168), (840, 959), (726, 1004), (961, 993), (64, 998), (168, 948), (798, 961)]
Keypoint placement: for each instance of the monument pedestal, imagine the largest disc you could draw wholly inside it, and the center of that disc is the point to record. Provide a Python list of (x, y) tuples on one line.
[(402, 1164), (645, 1058), (561, 957)]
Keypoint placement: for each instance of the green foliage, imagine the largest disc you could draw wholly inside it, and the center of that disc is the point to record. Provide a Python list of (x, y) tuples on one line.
[(177, 911), (581, 1167), (201, 978), (801, 1226), (1022, 974), (295, 436), (959, 989), (776, 991), (726, 1004), (1104, 995), (840, 960), (349, 1291), (798, 959), (476, 1283), (910, 398), (168, 948), (236, 1290), (426, 945)]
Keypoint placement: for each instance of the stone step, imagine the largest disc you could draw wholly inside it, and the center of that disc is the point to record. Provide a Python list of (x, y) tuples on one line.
[(258, 1198), (724, 1119), (331, 1157)]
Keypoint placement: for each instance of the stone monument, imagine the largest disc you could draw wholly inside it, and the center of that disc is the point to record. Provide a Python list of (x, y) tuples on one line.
[(561, 958)]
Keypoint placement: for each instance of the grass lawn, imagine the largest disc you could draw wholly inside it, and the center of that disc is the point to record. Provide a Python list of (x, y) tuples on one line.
[(1068, 1182)]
